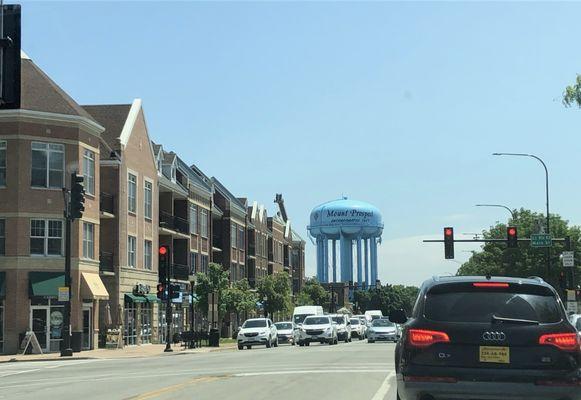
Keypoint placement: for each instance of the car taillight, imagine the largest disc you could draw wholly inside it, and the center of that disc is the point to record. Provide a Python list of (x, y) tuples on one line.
[(564, 341), (490, 284), (425, 338)]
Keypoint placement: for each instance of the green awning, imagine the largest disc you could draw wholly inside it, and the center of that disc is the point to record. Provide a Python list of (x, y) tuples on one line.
[(2, 284), (152, 298), (45, 284), (130, 297)]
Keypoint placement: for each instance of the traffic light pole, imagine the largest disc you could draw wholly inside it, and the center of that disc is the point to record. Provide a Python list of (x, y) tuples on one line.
[(66, 350), (168, 310)]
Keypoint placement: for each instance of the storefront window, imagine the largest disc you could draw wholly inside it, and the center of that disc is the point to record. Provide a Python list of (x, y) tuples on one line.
[(130, 324), (56, 326), (146, 314)]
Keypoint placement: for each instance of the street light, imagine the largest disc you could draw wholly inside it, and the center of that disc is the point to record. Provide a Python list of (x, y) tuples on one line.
[(498, 205), (546, 192), (264, 300)]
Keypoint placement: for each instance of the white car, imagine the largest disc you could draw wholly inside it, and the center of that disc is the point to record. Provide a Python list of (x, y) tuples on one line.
[(318, 328), (382, 329), (286, 332), (358, 328), (575, 320), (257, 331), (343, 326)]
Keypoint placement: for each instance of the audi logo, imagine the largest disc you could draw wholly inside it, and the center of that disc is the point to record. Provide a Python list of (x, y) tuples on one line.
[(494, 336)]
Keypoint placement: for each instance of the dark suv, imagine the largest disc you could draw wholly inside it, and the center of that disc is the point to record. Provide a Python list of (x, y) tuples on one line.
[(476, 338)]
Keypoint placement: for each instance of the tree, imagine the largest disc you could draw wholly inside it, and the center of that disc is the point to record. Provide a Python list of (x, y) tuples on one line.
[(387, 298), (312, 293), (237, 299), (524, 261), (215, 280), (572, 94), (277, 291)]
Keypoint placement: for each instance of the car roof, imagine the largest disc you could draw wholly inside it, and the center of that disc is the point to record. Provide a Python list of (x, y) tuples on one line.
[(438, 280), (257, 319), (284, 322)]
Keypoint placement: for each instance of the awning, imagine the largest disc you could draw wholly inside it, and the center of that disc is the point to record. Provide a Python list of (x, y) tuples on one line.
[(45, 284), (2, 285), (93, 287), (151, 298)]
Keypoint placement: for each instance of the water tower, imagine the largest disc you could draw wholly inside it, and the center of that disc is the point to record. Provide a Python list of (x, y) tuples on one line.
[(354, 224)]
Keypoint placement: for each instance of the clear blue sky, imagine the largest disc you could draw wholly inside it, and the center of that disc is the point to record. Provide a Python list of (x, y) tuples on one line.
[(397, 104)]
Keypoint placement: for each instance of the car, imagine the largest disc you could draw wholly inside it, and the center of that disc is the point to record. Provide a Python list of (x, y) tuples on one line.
[(257, 331), (357, 328), (575, 320), (301, 312), (318, 328), (487, 338), (370, 315), (343, 326), (381, 329), (286, 331)]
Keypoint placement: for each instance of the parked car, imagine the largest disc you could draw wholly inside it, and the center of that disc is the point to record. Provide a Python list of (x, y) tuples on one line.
[(286, 331), (343, 326), (257, 331), (382, 329), (318, 328), (357, 328), (493, 338), (301, 312), (575, 320)]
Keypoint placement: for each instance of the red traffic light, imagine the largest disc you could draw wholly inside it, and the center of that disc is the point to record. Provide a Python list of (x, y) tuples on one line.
[(163, 250), (511, 231), (448, 231)]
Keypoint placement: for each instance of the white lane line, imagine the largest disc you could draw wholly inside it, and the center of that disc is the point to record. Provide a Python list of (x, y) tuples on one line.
[(19, 372), (384, 388), (313, 371), (68, 363)]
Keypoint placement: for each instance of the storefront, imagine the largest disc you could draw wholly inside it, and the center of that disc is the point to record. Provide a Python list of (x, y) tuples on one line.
[(138, 318)]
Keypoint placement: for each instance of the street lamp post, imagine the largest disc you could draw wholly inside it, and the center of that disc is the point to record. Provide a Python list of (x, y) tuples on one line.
[(499, 205), (547, 195), (264, 300)]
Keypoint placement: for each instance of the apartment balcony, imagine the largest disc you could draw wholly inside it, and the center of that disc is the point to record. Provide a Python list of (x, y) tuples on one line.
[(180, 272), (107, 205), (106, 264), (174, 225)]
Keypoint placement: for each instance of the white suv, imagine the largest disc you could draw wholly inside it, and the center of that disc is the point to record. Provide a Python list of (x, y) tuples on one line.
[(257, 331), (318, 328), (357, 328), (343, 326)]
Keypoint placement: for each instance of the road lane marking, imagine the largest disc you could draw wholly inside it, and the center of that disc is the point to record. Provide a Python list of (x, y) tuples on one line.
[(173, 388), (18, 373), (384, 388), (313, 371), (68, 363)]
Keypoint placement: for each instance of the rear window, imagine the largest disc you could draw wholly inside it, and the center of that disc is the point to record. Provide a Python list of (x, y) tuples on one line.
[(480, 305)]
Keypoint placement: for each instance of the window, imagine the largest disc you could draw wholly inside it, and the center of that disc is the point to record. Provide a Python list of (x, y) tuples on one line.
[(2, 237), (89, 171), (46, 237), (131, 247), (193, 219), (48, 165), (193, 263), (204, 224), (148, 196), (204, 264), (241, 239), (147, 254), (233, 270), (88, 240), (132, 193), (233, 235), (2, 163)]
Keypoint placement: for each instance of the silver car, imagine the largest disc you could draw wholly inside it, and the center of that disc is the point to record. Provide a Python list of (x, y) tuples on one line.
[(382, 329)]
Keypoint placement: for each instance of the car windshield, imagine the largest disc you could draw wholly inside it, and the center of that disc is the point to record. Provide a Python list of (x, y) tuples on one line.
[(339, 320), (283, 325), (299, 318), (255, 323), (382, 323), (317, 321), (354, 321), (375, 317), (483, 306)]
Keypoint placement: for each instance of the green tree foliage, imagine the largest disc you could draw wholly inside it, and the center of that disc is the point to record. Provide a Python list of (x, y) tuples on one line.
[(215, 280), (386, 298), (313, 293), (572, 94), (238, 299), (497, 259), (277, 289)]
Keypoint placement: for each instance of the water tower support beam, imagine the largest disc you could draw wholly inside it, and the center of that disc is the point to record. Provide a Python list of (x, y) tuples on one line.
[(373, 262), (325, 260), (334, 265), (359, 263), (366, 252), (345, 243), (319, 259)]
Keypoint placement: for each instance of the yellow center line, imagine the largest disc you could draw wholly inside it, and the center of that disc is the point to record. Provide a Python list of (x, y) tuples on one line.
[(174, 388)]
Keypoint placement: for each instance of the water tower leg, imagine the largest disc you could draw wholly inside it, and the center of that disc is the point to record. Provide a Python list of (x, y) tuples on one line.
[(359, 263), (319, 259), (373, 261), (325, 260), (366, 247), (345, 244), (334, 260)]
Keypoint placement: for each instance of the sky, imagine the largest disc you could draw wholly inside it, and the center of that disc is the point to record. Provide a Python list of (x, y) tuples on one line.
[(399, 104)]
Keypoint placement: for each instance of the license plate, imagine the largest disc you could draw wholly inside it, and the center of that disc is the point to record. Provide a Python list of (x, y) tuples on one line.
[(495, 354)]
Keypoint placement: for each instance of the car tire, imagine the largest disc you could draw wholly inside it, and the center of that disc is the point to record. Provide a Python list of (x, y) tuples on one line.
[(276, 343), (240, 347), (370, 341), (268, 344), (249, 347), (307, 344), (346, 339)]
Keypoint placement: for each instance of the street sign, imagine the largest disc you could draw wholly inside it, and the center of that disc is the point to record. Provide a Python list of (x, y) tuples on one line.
[(541, 240), (63, 294), (568, 259), (571, 295)]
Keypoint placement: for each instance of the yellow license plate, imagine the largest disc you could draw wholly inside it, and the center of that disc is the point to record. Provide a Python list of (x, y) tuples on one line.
[(495, 354)]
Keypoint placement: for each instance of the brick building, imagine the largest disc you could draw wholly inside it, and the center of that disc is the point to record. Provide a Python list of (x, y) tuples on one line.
[(258, 239)]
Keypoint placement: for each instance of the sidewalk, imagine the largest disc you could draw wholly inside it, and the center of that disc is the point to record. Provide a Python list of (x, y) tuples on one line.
[(146, 350)]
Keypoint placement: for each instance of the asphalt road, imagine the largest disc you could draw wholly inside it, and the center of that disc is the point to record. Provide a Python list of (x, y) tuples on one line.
[(347, 371)]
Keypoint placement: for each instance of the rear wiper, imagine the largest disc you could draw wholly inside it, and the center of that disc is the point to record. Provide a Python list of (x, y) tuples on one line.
[(514, 320)]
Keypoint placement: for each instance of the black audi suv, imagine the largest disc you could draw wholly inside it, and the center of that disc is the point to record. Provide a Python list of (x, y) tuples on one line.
[(485, 338)]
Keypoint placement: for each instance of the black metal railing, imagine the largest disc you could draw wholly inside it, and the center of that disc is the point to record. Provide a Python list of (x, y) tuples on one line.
[(106, 262), (180, 272), (107, 203), (173, 222)]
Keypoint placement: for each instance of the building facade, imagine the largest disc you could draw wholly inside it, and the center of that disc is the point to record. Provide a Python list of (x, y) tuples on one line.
[(258, 238)]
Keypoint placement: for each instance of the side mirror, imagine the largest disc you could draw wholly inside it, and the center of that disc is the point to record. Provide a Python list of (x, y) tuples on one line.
[(398, 317), (239, 328)]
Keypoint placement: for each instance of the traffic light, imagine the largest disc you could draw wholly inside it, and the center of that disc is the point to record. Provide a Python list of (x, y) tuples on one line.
[(160, 291), (163, 263), (448, 243), (174, 291), (511, 237), (77, 203)]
